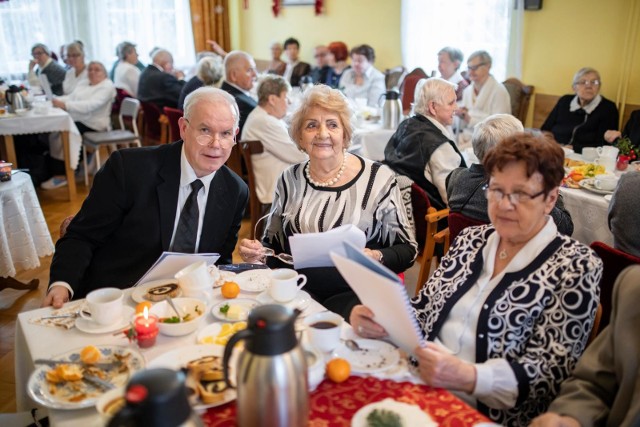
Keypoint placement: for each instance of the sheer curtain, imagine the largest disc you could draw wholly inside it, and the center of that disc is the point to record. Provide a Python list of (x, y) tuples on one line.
[(492, 25), (101, 25)]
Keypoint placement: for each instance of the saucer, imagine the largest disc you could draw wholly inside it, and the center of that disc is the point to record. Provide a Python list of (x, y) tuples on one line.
[(86, 325), (301, 301), (374, 356), (254, 280)]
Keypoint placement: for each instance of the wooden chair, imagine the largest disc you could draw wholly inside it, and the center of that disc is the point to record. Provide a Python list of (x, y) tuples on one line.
[(393, 77), (596, 325), (614, 261), (408, 88), (121, 94), (458, 222), (256, 208), (432, 237), (520, 95), (542, 106), (154, 132), (173, 115)]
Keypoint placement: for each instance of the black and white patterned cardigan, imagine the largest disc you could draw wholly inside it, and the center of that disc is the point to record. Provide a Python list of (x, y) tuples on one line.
[(538, 319)]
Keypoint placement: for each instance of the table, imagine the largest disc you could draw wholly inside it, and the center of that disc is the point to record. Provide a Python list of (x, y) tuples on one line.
[(24, 236), (56, 120), (589, 213), (33, 341), (370, 139)]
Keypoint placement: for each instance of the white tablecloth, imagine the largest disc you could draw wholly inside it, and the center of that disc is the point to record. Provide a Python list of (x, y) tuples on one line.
[(589, 214), (24, 236), (369, 140), (56, 120)]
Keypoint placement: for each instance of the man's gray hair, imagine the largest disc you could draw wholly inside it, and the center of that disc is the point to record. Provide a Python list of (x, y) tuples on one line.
[(492, 130), (123, 49), (454, 53), (271, 84), (483, 55), (209, 69), (211, 95), (233, 60), (434, 89)]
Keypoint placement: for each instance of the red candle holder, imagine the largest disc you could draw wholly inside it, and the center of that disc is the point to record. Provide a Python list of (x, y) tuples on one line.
[(146, 329)]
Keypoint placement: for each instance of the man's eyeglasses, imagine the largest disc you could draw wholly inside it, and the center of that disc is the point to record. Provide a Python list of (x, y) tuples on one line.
[(475, 67), (588, 82), (226, 139), (37, 53), (495, 196)]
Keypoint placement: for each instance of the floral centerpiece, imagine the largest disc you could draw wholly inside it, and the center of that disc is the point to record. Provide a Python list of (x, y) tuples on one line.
[(627, 152)]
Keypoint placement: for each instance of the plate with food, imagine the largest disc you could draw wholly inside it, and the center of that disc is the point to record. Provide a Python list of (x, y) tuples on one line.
[(234, 310), (156, 290), (75, 379), (205, 376), (371, 357), (219, 333), (254, 280), (588, 185), (390, 412)]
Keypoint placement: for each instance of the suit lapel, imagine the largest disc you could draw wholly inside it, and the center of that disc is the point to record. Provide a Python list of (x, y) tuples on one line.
[(167, 191)]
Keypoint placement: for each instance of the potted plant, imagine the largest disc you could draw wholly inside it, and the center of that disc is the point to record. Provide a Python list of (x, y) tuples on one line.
[(627, 152)]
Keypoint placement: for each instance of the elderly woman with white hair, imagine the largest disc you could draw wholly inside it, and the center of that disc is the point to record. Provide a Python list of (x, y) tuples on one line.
[(74, 58), (208, 73), (422, 148), (126, 75), (464, 185)]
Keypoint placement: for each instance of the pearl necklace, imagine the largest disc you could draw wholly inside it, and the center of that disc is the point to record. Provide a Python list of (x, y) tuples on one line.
[(333, 180)]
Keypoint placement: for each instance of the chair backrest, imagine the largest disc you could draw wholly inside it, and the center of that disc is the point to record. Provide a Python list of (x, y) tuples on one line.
[(129, 113), (458, 222), (173, 115), (393, 77), (419, 204), (432, 236), (151, 128), (542, 106), (248, 148), (409, 86), (520, 95), (121, 94), (614, 261)]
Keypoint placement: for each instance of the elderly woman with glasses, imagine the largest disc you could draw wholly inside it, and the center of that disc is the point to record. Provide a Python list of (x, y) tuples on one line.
[(77, 72), (509, 311), (331, 189), (581, 120)]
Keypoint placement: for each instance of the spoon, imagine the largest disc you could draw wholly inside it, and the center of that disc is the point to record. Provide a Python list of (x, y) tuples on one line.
[(286, 258), (173, 306), (352, 345)]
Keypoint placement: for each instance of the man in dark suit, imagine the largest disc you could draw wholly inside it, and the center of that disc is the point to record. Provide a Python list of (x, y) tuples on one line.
[(159, 83), (239, 75), (140, 198), (295, 68)]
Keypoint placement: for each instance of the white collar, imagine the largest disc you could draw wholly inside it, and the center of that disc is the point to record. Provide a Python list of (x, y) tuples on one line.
[(455, 78), (188, 175), (239, 88), (158, 67), (575, 104), (440, 126)]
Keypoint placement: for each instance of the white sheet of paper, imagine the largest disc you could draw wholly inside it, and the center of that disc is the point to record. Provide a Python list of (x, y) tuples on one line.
[(169, 263), (312, 249)]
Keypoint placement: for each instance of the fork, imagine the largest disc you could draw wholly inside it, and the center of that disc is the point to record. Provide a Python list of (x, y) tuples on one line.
[(286, 258)]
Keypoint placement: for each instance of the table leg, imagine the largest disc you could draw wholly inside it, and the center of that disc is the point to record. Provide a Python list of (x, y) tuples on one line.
[(71, 175), (11, 150)]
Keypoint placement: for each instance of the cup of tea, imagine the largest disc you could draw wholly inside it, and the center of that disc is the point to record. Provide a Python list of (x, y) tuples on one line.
[(589, 154), (285, 284), (605, 182), (195, 280), (324, 330), (104, 306)]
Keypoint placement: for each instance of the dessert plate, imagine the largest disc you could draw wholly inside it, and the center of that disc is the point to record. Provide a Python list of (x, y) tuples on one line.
[(373, 356), (245, 305), (138, 292), (410, 415), (587, 184), (301, 301), (86, 325), (254, 280)]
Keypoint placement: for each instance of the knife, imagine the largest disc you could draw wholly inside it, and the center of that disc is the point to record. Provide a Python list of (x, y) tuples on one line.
[(99, 382), (54, 363)]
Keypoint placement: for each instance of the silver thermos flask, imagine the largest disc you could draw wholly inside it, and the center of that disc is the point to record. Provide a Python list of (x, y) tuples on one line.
[(391, 110), (271, 372)]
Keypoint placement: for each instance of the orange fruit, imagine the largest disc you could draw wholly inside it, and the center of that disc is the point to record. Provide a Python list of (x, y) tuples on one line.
[(230, 290), (140, 307), (338, 370), (90, 355)]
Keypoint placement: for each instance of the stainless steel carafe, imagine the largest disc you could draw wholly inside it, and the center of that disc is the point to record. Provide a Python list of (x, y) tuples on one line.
[(391, 110), (15, 98), (271, 373)]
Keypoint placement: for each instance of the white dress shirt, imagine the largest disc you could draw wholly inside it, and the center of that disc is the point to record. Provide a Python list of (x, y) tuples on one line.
[(442, 161), (493, 98), (71, 80), (91, 104)]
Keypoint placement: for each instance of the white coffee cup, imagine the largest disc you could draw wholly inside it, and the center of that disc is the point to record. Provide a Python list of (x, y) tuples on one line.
[(608, 151), (324, 330), (285, 284), (605, 182), (195, 281), (104, 306), (609, 163), (589, 154)]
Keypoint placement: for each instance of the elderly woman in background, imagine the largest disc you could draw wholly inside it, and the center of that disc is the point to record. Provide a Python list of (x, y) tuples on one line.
[(209, 72), (509, 310), (449, 60), (126, 75), (334, 188), (74, 58), (277, 65), (464, 185), (362, 80), (43, 64), (337, 61), (581, 120)]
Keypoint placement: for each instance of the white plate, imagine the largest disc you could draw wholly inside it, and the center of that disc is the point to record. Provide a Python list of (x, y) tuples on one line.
[(301, 301), (138, 292), (411, 415), (212, 330), (607, 197), (86, 325), (39, 388), (375, 356), (587, 184), (254, 280), (246, 303), (180, 357)]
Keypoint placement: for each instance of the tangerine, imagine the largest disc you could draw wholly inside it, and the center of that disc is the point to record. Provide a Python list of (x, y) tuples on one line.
[(90, 355), (230, 290), (140, 307), (338, 370)]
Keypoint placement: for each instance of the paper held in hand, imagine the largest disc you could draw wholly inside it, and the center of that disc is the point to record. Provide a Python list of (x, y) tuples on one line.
[(312, 249), (381, 290), (169, 263)]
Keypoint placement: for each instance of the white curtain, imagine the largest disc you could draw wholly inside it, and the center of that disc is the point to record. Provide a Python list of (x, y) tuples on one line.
[(492, 25)]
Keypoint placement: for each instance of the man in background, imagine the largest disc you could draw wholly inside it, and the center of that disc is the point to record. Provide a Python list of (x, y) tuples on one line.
[(295, 68), (159, 83), (320, 71), (239, 76)]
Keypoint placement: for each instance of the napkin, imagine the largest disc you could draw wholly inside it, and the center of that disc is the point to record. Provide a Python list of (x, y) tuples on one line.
[(64, 322)]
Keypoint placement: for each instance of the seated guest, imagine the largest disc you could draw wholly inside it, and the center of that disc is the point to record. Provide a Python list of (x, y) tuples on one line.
[(295, 68), (121, 46), (277, 65), (623, 214), (239, 75), (465, 190), (449, 60), (46, 66), (74, 58), (485, 96), (89, 105), (581, 120), (144, 200), (265, 124), (508, 312), (422, 148), (362, 80), (324, 192), (127, 74), (208, 73), (319, 72), (603, 388), (631, 130), (337, 61), (159, 83)]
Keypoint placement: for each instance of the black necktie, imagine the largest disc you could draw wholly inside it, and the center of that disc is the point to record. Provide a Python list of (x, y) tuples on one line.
[(187, 230)]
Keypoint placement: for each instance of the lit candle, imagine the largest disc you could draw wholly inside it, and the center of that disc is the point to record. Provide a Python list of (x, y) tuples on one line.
[(146, 327)]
